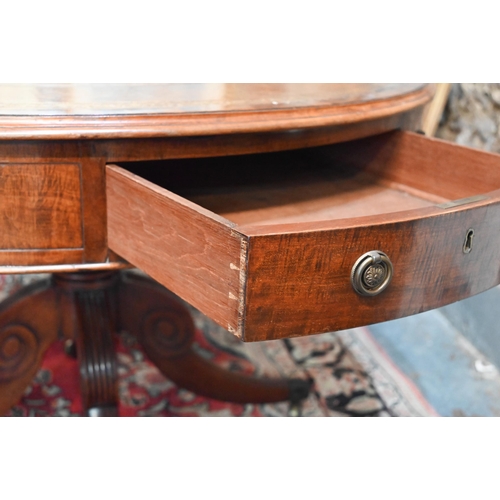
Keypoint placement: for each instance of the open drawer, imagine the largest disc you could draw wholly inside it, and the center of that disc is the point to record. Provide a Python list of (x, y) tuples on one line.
[(269, 245)]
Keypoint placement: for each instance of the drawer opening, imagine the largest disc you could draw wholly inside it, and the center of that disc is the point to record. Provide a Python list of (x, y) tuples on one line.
[(393, 172), (285, 187)]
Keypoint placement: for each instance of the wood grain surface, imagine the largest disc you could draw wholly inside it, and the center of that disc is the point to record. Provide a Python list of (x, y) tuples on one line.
[(299, 283), (40, 206), (68, 99), (143, 122), (308, 216), (425, 245), (52, 204), (269, 263), (28, 326), (144, 110), (205, 146), (36, 268), (88, 311), (166, 331), (193, 252), (426, 164)]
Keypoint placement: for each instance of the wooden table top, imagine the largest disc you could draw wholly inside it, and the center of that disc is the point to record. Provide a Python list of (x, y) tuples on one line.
[(83, 111)]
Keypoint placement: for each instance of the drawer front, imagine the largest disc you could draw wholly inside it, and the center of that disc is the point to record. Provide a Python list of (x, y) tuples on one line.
[(265, 281), (52, 205), (310, 272), (40, 206)]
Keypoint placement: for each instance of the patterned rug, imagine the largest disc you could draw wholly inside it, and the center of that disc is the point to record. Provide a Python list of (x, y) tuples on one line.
[(352, 376)]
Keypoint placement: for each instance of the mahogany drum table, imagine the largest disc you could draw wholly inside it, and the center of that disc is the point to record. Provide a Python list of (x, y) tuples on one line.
[(277, 210)]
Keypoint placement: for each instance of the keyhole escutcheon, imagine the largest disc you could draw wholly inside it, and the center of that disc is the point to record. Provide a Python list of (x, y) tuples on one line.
[(469, 235)]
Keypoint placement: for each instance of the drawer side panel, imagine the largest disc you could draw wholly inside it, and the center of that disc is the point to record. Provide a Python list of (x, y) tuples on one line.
[(429, 165), (196, 256)]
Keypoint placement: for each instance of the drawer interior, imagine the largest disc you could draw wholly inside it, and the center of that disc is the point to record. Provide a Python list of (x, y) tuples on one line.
[(389, 173), (274, 188)]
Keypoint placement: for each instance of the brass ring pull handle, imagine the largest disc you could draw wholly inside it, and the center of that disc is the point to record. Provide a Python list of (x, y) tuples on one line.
[(372, 273)]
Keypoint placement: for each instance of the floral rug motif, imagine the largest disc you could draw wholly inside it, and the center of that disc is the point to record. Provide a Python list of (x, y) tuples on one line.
[(352, 376)]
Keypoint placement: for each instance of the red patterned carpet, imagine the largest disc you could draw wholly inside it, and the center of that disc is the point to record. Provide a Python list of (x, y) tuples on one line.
[(352, 376)]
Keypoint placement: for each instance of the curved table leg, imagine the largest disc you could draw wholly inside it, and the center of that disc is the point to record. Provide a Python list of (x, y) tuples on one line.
[(88, 306), (29, 323), (165, 330)]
